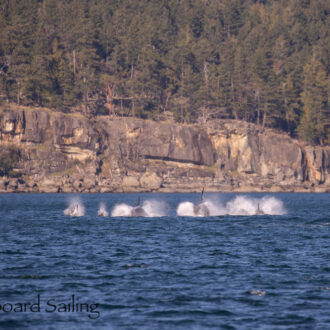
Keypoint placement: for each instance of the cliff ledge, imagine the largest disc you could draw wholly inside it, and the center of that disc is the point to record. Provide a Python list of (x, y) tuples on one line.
[(69, 153)]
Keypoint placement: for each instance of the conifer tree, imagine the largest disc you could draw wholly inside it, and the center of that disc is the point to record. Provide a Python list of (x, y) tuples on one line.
[(315, 122), (201, 59)]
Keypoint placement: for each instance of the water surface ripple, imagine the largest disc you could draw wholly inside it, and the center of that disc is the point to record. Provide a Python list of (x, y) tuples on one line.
[(230, 272)]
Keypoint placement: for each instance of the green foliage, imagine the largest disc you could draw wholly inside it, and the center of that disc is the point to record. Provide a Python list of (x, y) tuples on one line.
[(9, 156), (264, 61), (315, 122)]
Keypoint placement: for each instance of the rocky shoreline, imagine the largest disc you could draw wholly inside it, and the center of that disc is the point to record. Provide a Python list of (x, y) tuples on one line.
[(71, 153)]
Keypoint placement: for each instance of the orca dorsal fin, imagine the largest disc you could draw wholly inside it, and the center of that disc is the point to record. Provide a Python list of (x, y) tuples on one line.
[(202, 195), (259, 211), (138, 201)]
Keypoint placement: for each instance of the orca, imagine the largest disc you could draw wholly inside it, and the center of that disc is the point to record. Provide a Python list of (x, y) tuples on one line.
[(260, 211), (102, 212), (201, 209), (138, 210), (74, 210)]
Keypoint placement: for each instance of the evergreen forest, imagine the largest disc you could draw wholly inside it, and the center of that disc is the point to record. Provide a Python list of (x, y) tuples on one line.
[(261, 61)]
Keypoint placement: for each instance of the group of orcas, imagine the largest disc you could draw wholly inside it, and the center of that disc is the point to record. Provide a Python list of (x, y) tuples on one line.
[(201, 209), (75, 211)]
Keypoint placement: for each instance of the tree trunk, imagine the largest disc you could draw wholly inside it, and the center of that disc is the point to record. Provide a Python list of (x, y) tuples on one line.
[(264, 119), (18, 93), (74, 64), (258, 116), (109, 96)]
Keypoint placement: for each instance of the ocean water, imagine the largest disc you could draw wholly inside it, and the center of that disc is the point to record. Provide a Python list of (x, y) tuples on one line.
[(233, 270)]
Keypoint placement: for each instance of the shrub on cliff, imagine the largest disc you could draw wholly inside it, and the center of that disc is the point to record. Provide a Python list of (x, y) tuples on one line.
[(9, 157)]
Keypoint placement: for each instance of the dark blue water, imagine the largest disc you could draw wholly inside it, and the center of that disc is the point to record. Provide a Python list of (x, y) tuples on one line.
[(231, 272)]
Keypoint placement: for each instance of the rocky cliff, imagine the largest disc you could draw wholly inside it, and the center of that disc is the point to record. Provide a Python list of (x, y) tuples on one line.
[(70, 153)]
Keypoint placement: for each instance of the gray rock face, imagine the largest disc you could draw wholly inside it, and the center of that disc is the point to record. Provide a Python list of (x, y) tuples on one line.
[(26, 126), (281, 157), (136, 138), (70, 153), (36, 126), (71, 131)]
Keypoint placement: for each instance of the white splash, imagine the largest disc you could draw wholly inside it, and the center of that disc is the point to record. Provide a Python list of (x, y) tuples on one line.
[(240, 205), (243, 205), (102, 212), (185, 209), (155, 208), (152, 208), (122, 210), (272, 205), (75, 209), (215, 207)]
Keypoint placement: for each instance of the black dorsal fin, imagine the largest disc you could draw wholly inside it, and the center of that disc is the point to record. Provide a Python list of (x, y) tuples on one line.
[(138, 201), (259, 210), (202, 195)]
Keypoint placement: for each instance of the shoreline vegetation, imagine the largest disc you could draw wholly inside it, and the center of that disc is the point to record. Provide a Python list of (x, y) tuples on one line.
[(264, 62)]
